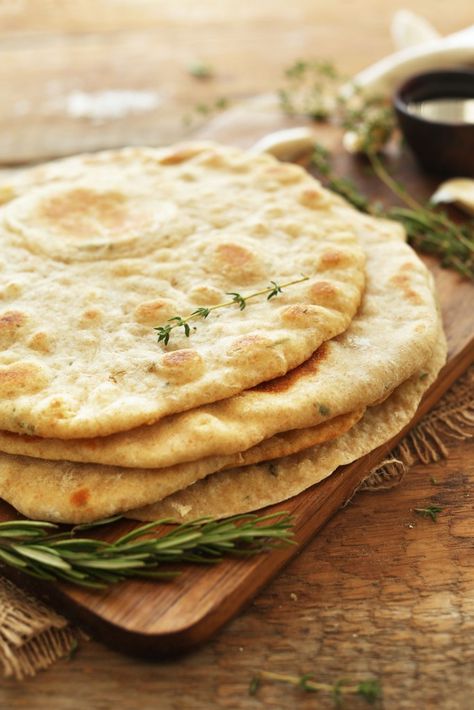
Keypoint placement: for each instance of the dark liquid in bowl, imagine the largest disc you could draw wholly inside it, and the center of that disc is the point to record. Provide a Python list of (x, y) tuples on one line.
[(444, 110)]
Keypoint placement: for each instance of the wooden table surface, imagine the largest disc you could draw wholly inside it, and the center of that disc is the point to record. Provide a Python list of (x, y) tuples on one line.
[(380, 592)]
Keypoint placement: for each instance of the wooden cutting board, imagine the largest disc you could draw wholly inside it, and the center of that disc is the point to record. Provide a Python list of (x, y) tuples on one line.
[(163, 618)]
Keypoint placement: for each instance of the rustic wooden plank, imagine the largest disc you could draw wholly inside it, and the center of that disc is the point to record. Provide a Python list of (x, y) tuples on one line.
[(379, 592), (30, 18), (90, 47)]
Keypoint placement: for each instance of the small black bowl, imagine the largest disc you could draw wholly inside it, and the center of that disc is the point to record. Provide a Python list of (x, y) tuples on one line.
[(444, 148)]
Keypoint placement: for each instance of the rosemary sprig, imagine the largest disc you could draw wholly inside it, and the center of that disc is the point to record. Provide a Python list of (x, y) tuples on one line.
[(429, 512), (370, 689), (271, 291), (41, 550)]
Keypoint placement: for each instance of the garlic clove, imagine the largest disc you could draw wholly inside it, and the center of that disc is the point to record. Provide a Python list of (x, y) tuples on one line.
[(352, 142), (458, 191), (287, 144)]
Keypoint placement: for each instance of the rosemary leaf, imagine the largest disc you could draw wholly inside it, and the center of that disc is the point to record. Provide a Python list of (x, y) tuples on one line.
[(48, 559)]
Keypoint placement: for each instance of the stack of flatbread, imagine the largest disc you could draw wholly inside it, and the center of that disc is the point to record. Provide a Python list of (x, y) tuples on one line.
[(244, 408)]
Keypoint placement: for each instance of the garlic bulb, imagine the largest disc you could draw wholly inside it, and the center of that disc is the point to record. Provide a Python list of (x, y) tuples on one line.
[(409, 29), (383, 76)]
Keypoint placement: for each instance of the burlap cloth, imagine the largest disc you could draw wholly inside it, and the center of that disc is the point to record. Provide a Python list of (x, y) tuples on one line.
[(32, 635)]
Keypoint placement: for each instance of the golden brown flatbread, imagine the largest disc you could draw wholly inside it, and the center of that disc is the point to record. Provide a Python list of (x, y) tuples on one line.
[(74, 492), (97, 250), (390, 338), (245, 489)]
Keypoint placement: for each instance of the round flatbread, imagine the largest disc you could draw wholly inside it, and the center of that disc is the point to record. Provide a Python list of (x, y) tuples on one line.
[(97, 250), (241, 490), (72, 493), (390, 338)]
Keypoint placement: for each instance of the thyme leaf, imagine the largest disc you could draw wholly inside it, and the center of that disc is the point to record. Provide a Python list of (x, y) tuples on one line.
[(204, 110), (202, 312), (310, 89), (429, 512), (238, 299), (164, 331), (369, 689), (276, 290)]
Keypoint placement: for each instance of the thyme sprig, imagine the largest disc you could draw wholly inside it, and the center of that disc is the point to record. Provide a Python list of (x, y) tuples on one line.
[(271, 291), (313, 89), (428, 230), (370, 689), (429, 512), (41, 550), (370, 122), (310, 89), (203, 110)]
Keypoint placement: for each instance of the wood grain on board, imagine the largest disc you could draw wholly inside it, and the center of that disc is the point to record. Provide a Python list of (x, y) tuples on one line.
[(52, 51)]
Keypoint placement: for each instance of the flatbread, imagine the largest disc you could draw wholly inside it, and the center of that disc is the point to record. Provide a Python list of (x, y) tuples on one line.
[(391, 337), (242, 490), (97, 250), (73, 493)]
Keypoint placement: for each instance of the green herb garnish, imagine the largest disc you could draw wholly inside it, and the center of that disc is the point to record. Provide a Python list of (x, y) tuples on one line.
[(205, 110), (40, 550), (428, 230), (310, 89), (313, 89), (200, 70), (370, 689), (164, 331), (429, 512)]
